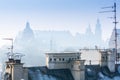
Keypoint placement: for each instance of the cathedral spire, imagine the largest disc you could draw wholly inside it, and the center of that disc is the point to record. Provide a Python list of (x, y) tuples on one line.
[(98, 31), (98, 25), (27, 25), (88, 30), (98, 21), (28, 32)]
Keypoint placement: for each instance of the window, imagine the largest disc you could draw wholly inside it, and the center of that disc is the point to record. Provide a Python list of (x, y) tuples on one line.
[(59, 59), (50, 59), (54, 59), (63, 59)]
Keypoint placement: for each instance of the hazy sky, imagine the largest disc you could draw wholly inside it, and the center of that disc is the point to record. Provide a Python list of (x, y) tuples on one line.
[(72, 15)]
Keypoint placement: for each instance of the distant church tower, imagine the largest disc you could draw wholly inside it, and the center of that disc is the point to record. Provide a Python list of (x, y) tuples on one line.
[(89, 31), (27, 32), (89, 37), (98, 31)]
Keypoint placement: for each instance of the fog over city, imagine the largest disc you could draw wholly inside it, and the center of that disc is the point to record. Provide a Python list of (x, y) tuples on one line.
[(60, 15), (54, 25), (40, 26), (35, 43)]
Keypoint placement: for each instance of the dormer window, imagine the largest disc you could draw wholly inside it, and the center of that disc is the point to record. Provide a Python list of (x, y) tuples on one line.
[(50, 59), (59, 59), (54, 59), (63, 59)]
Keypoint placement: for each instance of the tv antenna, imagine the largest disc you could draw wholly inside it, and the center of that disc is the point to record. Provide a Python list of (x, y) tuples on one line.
[(115, 24), (11, 55)]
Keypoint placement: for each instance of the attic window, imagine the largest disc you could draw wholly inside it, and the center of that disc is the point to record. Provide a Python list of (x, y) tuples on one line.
[(59, 59), (50, 59), (63, 59), (54, 59)]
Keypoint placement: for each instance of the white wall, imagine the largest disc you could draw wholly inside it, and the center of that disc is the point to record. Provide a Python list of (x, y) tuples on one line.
[(111, 61), (78, 70), (93, 55)]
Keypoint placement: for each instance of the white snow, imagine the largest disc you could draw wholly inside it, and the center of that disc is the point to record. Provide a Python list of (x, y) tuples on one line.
[(103, 77)]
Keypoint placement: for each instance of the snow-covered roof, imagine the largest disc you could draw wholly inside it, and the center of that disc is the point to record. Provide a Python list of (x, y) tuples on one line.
[(95, 72), (43, 73)]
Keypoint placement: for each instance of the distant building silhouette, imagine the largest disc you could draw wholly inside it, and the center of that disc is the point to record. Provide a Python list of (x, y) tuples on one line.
[(98, 30), (36, 41), (89, 31), (27, 33), (25, 37)]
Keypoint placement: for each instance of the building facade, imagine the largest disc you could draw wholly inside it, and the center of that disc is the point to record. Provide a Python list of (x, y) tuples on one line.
[(67, 60), (15, 70)]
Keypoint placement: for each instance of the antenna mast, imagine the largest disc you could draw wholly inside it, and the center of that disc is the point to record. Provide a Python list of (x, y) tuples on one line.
[(10, 54), (115, 26)]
